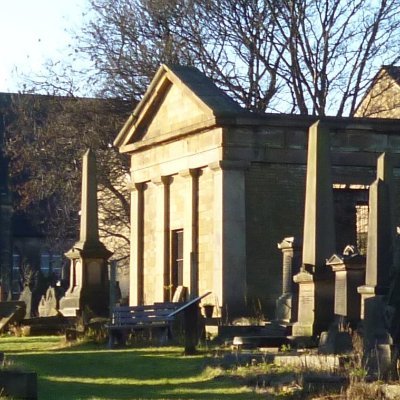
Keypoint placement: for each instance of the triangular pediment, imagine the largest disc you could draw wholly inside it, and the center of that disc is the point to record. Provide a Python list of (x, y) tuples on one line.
[(178, 100), (334, 259)]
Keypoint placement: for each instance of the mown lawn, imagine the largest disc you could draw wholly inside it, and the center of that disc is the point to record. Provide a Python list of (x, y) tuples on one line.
[(89, 371)]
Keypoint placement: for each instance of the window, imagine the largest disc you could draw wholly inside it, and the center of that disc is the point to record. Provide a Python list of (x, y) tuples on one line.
[(45, 263), (176, 271), (362, 226)]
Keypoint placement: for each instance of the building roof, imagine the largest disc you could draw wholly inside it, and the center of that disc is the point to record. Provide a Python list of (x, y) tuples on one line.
[(392, 70), (201, 89), (206, 90)]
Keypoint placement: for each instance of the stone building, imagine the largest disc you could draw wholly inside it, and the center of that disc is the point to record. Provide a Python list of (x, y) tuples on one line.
[(214, 188), (382, 99)]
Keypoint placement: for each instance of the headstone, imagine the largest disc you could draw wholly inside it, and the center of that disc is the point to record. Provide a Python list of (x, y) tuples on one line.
[(48, 304), (349, 269), (89, 282), (335, 342), (287, 303), (315, 279), (379, 262), (380, 233), (26, 297)]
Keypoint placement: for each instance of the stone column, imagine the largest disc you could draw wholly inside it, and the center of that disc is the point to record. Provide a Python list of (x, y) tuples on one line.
[(162, 238), (190, 229), (229, 236), (286, 305), (316, 280), (136, 257)]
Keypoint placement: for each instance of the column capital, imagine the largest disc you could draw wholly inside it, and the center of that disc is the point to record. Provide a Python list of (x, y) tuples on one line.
[(137, 187), (162, 180), (228, 165), (193, 172)]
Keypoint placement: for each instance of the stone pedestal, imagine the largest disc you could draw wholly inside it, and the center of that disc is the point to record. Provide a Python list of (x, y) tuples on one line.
[(89, 285), (349, 270), (316, 294), (287, 303)]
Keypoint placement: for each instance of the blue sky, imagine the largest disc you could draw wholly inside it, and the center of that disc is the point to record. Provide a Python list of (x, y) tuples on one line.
[(32, 32)]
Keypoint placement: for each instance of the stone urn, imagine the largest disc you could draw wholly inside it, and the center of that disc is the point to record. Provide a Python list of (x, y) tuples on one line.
[(208, 310)]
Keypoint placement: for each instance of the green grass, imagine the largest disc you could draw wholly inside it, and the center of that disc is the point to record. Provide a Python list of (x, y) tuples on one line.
[(93, 372)]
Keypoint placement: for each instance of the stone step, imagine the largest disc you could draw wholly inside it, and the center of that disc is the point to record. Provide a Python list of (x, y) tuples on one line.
[(253, 342)]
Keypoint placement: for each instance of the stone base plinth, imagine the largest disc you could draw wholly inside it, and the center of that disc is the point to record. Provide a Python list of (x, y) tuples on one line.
[(300, 330), (286, 308), (316, 299)]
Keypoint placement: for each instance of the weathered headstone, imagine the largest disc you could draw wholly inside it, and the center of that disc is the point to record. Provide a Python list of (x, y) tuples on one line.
[(349, 269), (26, 297), (380, 235), (286, 305), (48, 304), (378, 265), (315, 279), (89, 283)]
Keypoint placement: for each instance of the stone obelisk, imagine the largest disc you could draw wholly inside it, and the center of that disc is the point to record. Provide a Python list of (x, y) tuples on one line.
[(89, 284), (315, 279)]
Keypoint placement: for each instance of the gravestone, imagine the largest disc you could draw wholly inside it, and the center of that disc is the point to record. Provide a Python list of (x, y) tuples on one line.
[(48, 304), (287, 303), (381, 233), (88, 281), (315, 279), (26, 297), (349, 269)]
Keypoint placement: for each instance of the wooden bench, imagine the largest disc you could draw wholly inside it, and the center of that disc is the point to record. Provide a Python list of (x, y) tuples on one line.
[(155, 316)]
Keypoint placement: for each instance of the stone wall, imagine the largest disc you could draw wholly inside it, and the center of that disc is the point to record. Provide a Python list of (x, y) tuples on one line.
[(274, 210)]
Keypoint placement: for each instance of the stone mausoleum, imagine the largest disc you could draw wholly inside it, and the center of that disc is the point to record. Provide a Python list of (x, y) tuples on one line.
[(215, 188)]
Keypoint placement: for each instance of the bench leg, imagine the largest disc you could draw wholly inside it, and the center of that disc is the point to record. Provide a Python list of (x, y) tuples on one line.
[(116, 338), (191, 328)]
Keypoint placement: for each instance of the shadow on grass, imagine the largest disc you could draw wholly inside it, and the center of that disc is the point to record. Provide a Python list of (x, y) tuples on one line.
[(86, 372), (197, 391)]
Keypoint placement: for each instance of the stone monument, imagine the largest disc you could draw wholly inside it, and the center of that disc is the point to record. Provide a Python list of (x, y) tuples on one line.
[(89, 283), (315, 279), (26, 297), (286, 305), (48, 304), (381, 233), (349, 269)]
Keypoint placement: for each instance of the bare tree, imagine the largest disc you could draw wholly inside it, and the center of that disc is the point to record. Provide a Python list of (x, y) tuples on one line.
[(228, 40), (45, 144), (331, 49)]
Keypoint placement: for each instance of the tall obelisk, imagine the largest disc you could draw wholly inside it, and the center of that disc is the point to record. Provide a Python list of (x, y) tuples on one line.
[(315, 279), (89, 284)]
